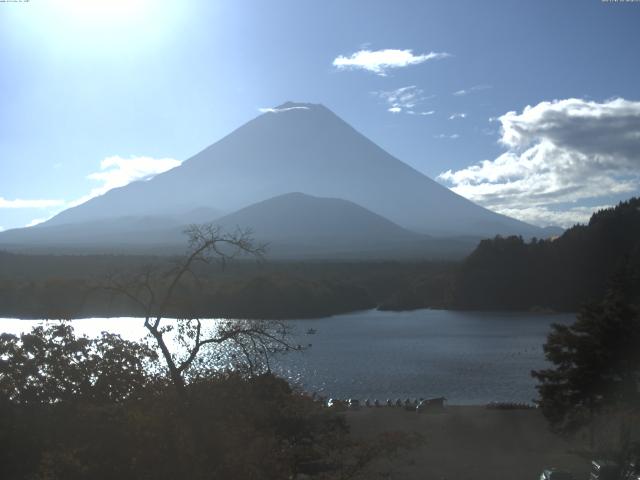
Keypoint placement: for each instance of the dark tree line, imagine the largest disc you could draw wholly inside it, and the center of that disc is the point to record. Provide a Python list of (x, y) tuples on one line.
[(559, 274), (62, 287)]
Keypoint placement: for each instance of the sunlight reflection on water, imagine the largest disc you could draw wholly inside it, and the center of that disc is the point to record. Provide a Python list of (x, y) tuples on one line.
[(469, 357)]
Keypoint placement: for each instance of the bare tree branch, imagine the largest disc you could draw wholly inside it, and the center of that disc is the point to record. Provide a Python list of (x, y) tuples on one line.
[(153, 291)]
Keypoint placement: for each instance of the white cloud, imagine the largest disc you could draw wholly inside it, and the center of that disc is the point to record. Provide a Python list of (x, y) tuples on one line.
[(379, 61), (412, 112), (559, 152), (453, 136), (544, 216), (457, 115), (404, 99), (116, 171), (475, 88), (37, 221), (20, 203), (278, 110)]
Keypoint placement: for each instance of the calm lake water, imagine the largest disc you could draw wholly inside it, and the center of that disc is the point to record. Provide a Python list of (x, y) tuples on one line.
[(468, 357)]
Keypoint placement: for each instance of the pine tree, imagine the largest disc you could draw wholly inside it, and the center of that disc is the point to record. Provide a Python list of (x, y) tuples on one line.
[(596, 364)]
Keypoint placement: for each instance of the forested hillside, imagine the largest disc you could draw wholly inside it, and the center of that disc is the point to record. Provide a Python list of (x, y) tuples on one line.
[(503, 273), (71, 286), (559, 274)]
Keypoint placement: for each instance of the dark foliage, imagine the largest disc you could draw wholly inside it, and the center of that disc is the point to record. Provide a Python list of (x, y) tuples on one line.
[(234, 428), (68, 411), (596, 364), (559, 274), (76, 408), (50, 365), (43, 286)]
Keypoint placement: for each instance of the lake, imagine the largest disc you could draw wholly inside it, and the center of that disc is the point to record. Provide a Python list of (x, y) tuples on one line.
[(468, 357)]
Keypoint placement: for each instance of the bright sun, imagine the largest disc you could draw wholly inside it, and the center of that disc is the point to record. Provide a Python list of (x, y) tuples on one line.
[(101, 27), (103, 11)]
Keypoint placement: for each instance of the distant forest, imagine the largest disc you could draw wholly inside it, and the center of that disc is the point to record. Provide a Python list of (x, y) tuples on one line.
[(503, 273), (49, 286)]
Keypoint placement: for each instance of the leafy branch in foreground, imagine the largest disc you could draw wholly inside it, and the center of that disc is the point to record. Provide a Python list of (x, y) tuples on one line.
[(50, 364)]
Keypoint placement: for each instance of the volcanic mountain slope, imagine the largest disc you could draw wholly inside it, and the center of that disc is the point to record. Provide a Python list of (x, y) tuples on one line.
[(294, 225), (304, 148), (299, 225), (126, 234), (296, 216)]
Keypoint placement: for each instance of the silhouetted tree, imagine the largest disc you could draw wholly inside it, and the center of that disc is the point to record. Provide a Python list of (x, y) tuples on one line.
[(154, 292), (596, 364), (50, 364)]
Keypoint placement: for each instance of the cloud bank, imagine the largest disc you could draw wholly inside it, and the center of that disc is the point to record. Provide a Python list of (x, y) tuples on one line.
[(116, 171), (379, 61), (37, 221), (559, 153)]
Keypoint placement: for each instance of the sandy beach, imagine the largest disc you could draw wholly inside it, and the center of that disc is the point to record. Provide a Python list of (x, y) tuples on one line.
[(470, 443)]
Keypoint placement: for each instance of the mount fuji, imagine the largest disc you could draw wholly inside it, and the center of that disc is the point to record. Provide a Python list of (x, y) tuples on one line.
[(296, 147)]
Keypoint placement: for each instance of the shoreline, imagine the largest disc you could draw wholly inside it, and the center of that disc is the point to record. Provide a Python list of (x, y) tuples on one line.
[(380, 355), (469, 443), (537, 312)]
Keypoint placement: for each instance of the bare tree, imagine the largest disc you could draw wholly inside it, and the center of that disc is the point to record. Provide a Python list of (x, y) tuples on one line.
[(153, 291)]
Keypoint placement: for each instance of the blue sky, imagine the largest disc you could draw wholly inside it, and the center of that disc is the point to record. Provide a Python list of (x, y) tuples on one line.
[(94, 94)]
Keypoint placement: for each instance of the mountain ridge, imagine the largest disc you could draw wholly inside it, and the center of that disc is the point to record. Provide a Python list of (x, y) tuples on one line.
[(294, 225), (295, 147), (301, 147)]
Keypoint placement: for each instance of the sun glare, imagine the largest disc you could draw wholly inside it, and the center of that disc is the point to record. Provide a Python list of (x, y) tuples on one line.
[(103, 10), (99, 27)]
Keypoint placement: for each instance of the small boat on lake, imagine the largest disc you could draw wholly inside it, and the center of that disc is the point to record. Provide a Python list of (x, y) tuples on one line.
[(312, 331)]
